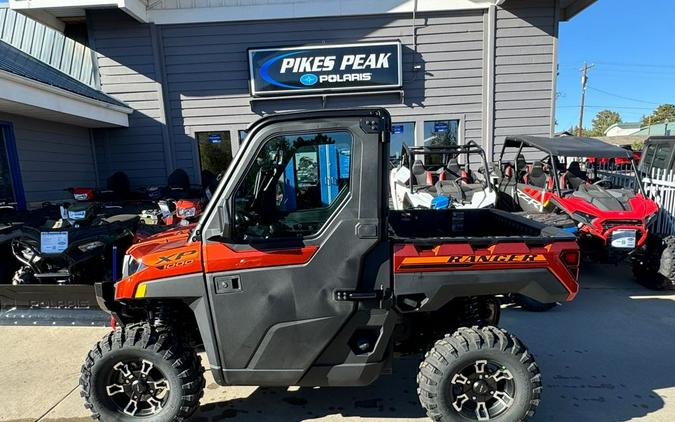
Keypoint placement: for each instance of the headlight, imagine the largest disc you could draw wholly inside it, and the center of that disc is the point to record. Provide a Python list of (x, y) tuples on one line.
[(187, 212), (86, 247), (77, 215), (131, 266)]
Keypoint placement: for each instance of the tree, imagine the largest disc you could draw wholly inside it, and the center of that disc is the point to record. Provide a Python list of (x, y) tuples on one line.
[(603, 120), (660, 115), (584, 132)]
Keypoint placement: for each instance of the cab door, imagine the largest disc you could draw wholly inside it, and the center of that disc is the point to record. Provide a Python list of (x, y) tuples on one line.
[(299, 209)]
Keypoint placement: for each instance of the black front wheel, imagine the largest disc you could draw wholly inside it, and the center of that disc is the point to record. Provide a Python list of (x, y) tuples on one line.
[(141, 371), (479, 374)]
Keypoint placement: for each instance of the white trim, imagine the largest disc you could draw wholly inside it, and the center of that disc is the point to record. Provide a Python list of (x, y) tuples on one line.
[(26, 91), (303, 9), (292, 9), (135, 8)]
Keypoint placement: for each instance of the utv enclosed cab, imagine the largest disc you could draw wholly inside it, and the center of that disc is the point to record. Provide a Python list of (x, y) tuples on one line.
[(613, 210), (299, 274), (427, 174)]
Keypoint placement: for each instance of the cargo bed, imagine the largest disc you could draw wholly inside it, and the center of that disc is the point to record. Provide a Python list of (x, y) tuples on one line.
[(443, 254)]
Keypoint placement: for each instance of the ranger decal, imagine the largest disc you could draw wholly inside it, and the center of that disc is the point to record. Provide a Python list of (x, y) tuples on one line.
[(469, 260)]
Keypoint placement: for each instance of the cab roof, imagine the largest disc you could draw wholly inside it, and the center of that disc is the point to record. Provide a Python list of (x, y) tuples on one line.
[(569, 146)]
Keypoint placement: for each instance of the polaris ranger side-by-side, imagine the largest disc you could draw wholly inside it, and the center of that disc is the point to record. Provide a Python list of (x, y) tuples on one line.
[(298, 274)]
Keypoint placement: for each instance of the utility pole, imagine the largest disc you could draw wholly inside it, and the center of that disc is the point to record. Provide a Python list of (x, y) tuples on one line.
[(584, 80)]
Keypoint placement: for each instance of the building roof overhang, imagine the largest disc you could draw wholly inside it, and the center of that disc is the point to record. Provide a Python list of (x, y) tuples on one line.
[(50, 12), (27, 97)]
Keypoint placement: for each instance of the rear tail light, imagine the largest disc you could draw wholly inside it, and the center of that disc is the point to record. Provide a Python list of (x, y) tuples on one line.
[(571, 260)]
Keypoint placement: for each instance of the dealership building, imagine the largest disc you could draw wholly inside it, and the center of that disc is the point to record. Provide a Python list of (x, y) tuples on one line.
[(153, 86)]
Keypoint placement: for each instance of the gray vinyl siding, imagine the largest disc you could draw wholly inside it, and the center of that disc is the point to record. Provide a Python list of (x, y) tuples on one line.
[(128, 72), (194, 77), (524, 69), (52, 157), (207, 70)]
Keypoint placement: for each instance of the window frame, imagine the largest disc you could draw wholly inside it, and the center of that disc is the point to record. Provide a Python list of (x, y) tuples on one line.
[(230, 200)]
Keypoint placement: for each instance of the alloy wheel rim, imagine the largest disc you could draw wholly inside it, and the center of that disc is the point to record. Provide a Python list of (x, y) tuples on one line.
[(137, 388), (482, 391)]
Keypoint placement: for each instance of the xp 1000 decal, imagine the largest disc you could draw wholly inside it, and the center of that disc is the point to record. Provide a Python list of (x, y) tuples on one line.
[(328, 68)]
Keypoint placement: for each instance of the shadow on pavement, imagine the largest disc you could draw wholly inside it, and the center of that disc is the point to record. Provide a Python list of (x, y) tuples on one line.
[(606, 356), (392, 396)]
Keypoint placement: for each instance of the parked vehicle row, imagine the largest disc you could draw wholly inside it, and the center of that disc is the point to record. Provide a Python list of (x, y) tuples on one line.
[(298, 237)]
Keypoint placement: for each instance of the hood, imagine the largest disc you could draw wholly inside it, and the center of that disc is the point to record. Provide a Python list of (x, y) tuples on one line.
[(606, 206), (161, 242)]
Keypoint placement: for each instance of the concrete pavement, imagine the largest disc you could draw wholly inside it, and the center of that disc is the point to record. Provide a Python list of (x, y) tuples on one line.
[(606, 357)]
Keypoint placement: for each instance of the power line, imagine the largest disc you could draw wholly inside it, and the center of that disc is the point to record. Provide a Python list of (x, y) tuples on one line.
[(607, 107), (622, 97), (624, 64)]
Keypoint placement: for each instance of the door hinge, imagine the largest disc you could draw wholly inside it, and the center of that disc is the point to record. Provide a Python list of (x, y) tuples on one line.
[(372, 124)]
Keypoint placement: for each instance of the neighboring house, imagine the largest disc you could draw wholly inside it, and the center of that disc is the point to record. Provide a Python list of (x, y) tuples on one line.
[(469, 70), (660, 129), (622, 129)]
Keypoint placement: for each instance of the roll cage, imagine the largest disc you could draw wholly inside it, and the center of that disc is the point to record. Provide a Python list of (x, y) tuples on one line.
[(567, 146), (408, 154)]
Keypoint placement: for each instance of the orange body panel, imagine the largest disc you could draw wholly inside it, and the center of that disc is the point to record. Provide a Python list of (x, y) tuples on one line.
[(218, 257), (410, 258), (170, 254)]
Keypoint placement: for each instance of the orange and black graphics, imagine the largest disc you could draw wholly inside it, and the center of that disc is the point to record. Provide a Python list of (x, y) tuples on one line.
[(176, 259), (466, 261)]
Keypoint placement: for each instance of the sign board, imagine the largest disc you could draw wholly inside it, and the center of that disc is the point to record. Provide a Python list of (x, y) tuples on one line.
[(441, 127), (396, 129), (215, 138), (53, 242), (325, 68)]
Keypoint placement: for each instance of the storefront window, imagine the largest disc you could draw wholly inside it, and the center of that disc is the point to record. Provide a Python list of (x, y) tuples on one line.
[(215, 151), (439, 133), (401, 133), (242, 135)]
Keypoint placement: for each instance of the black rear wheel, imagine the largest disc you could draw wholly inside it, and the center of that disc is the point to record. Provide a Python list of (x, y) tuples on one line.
[(141, 372), (479, 374)]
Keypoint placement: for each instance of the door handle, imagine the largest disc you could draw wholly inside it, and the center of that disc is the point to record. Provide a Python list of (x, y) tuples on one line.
[(227, 284)]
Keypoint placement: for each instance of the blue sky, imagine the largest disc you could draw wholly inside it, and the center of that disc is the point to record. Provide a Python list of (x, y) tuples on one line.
[(631, 45)]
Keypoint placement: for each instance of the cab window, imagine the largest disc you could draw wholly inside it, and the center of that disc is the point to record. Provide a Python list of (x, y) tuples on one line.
[(293, 186), (648, 157), (662, 156)]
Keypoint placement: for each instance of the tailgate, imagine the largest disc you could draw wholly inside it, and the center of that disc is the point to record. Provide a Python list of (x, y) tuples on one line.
[(427, 276)]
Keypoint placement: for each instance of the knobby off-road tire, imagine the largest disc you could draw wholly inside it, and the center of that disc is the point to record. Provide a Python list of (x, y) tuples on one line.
[(655, 269), (667, 265), (528, 304), (145, 365), (475, 365)]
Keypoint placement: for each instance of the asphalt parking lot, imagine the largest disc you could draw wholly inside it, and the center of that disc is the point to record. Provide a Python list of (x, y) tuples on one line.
[(607, 356)]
